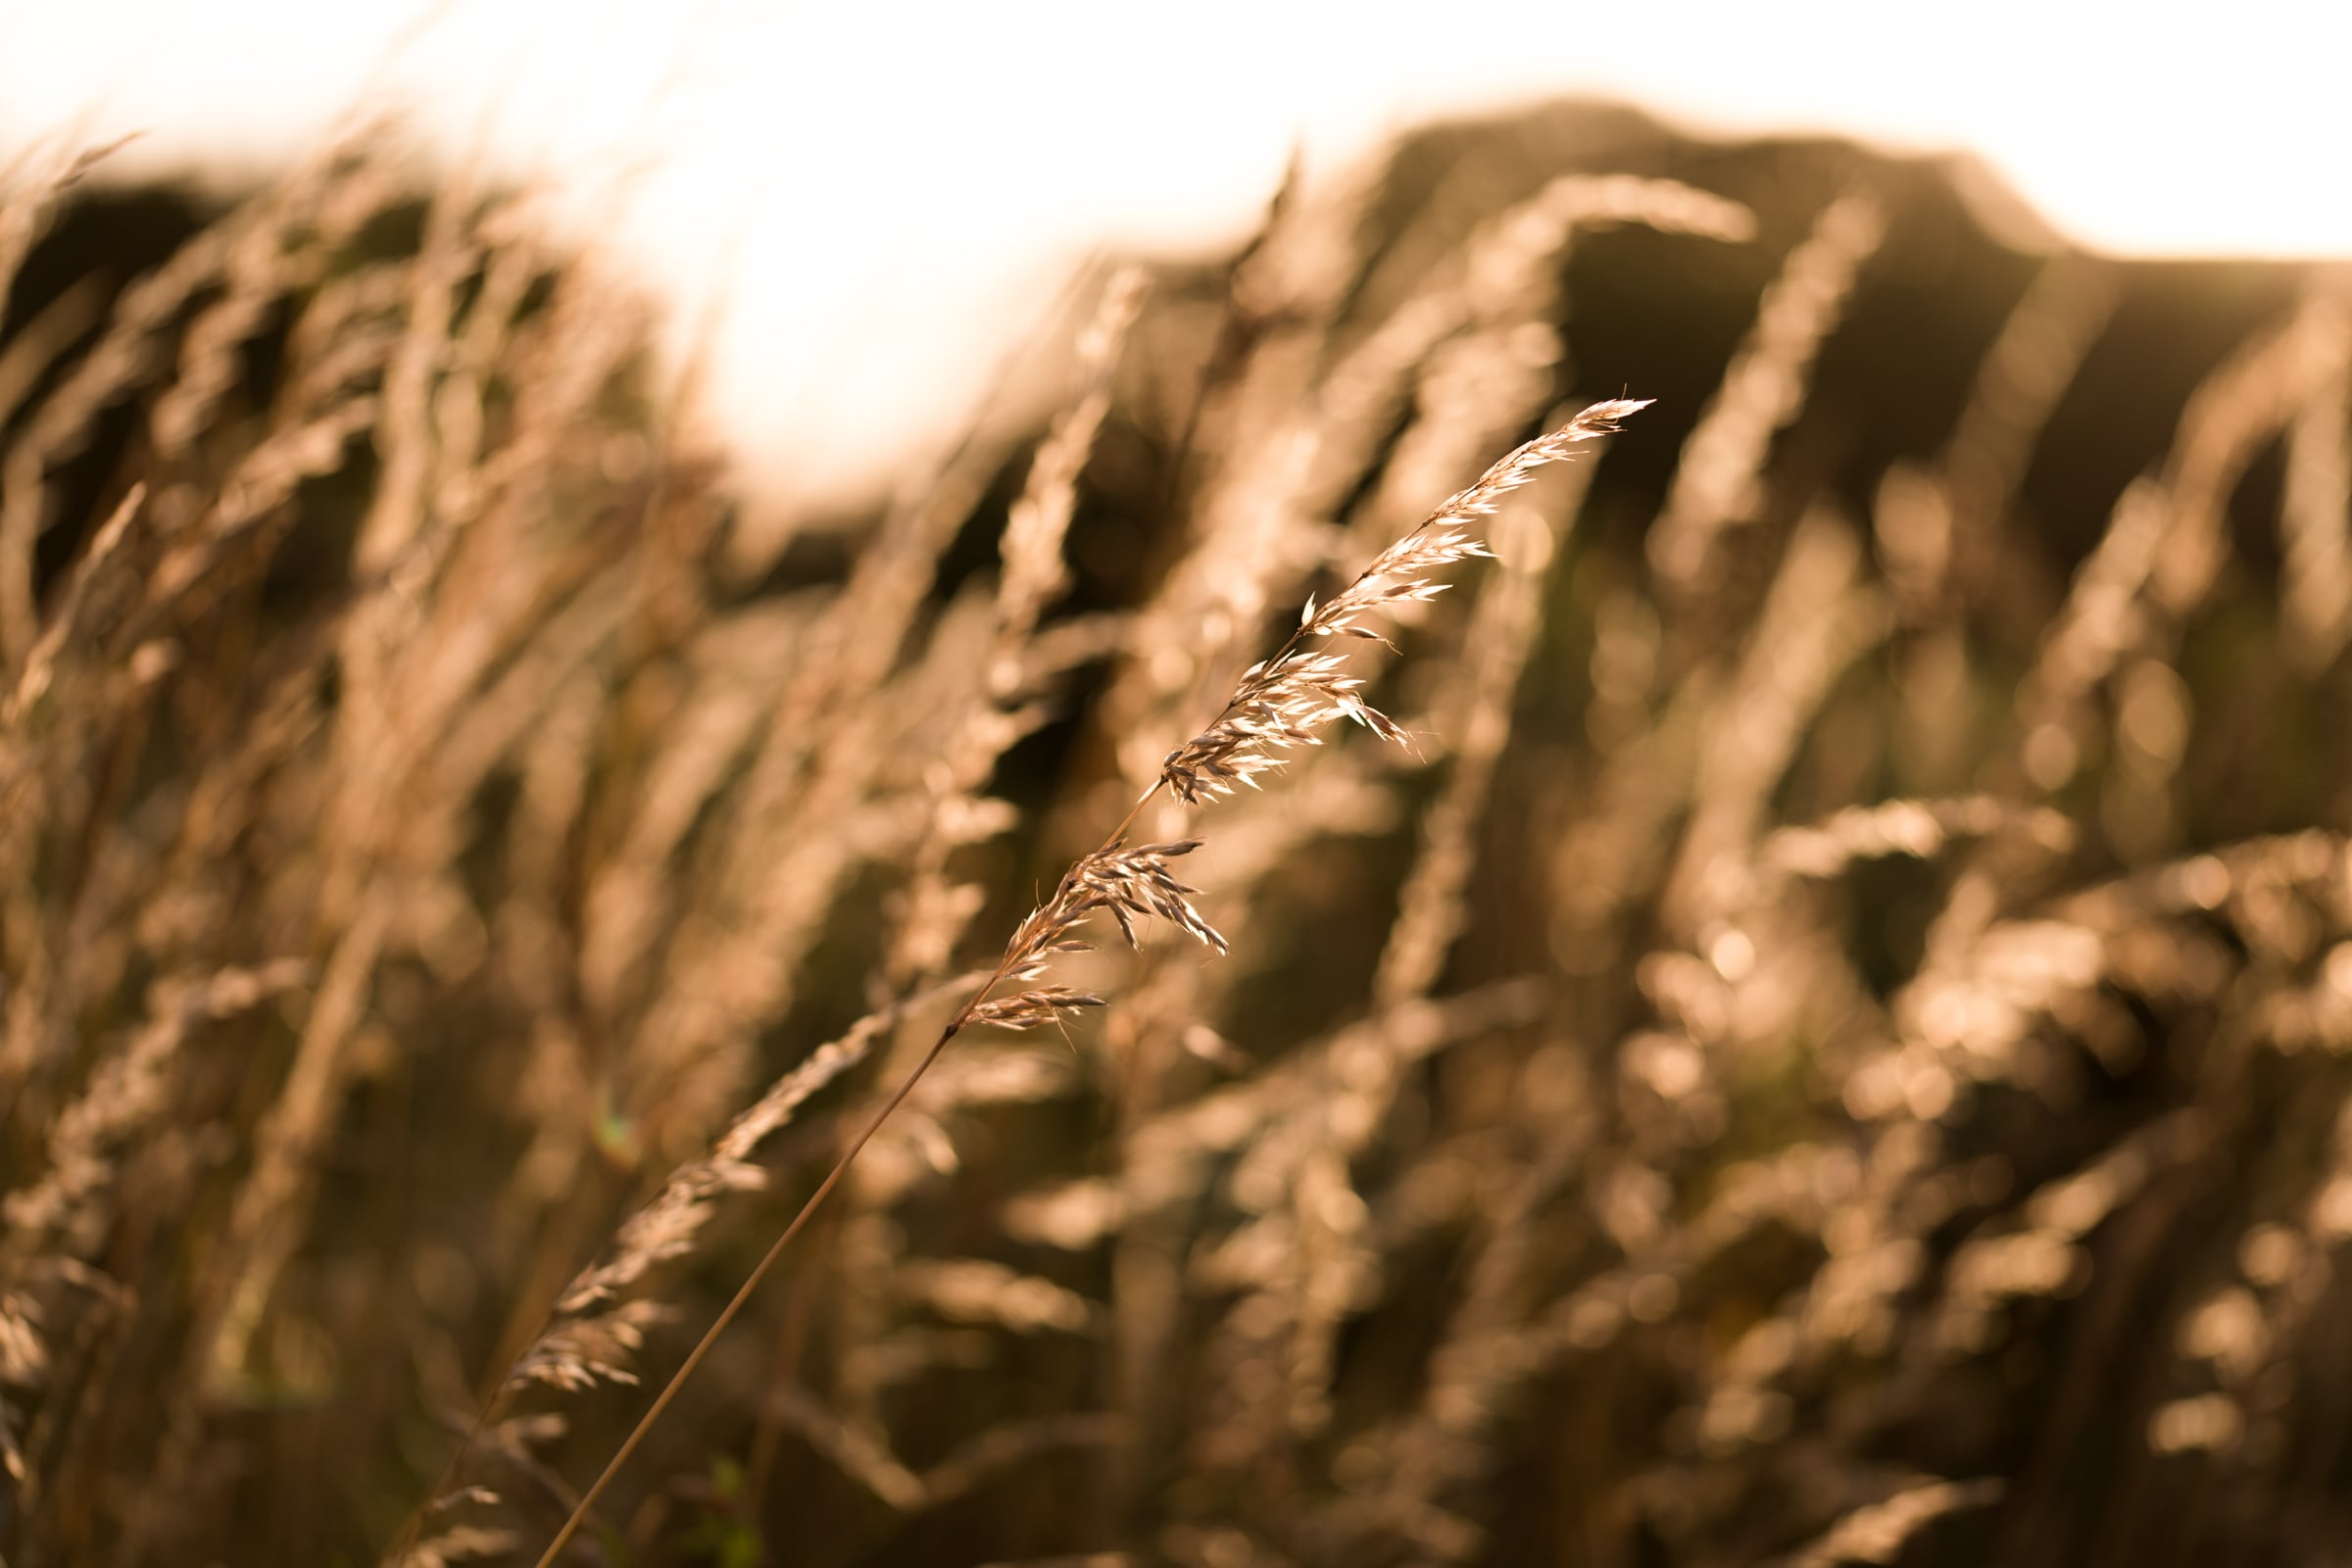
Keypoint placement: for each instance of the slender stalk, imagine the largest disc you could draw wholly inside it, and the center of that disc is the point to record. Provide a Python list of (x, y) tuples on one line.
[(1277, 703), (800, 1221), (694, 1357)]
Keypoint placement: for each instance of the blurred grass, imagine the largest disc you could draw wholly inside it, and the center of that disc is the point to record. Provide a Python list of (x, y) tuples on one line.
[(422, 842)]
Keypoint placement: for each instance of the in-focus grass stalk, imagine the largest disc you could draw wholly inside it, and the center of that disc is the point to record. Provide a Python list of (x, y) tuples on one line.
[(1280, 702)]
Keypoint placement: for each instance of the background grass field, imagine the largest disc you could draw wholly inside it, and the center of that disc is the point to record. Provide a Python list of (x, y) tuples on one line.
[(1826, 1045)]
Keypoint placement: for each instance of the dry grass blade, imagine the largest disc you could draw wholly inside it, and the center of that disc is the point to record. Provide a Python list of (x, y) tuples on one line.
[(1282, 700), (1278, 702)]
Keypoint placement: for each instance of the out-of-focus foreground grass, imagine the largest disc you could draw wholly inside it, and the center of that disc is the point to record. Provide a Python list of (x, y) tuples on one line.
[(1831, 1045)]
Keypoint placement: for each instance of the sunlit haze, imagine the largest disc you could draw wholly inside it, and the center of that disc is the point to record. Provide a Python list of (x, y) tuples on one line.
[(882, 197)]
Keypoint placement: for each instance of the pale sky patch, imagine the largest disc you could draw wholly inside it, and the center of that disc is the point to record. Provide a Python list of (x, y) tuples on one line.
[(883, 195)]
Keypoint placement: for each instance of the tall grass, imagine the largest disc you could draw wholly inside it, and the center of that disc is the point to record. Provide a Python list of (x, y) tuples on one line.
[(1824, 1043)]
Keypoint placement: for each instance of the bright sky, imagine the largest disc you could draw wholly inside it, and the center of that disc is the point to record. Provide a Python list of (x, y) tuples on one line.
[(886, 194)]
